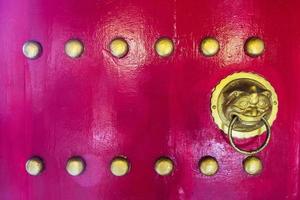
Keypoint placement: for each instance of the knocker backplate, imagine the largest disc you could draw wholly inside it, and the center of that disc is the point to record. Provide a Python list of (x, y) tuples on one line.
[(250, 87)]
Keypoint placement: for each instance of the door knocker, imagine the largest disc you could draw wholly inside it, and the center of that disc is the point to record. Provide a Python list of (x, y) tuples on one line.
[(244, 105)]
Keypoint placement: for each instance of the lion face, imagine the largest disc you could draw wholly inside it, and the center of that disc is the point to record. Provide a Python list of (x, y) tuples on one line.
[(250, 107)]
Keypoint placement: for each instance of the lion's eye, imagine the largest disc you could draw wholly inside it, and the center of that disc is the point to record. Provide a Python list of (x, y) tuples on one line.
[(263, 102), (243, 104)]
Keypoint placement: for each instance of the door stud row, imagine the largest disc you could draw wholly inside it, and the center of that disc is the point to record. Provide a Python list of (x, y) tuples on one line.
[(163, 166), (164, 47)]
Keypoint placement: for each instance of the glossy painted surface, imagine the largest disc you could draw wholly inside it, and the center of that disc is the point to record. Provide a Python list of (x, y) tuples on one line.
[(141, 106)]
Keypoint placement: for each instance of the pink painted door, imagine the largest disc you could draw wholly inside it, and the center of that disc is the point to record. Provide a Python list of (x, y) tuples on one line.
[(142, 106)]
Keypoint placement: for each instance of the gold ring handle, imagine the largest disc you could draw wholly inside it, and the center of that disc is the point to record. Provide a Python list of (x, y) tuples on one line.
[(266, 142)]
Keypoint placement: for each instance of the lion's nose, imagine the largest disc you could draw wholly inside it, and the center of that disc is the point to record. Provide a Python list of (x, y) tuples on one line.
[(254, 98)]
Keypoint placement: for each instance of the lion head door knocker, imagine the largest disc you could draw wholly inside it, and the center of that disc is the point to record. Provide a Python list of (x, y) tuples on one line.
[(244, 105)]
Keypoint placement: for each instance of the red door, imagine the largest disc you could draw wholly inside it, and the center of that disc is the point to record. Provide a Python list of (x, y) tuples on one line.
[(115, 99)]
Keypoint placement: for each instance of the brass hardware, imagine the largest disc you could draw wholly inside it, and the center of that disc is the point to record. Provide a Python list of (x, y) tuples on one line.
[(164, 166), (244, 105), (248, 96), (74, 48), (254, 46), (32, 49), (75, 166), (209, 46), (252, 165), (252, 152), (119, 47), (164, 47), (119, 166), (34, 166), (208, 166)]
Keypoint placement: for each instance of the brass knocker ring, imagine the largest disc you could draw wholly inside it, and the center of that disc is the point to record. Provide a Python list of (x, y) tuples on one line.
[(266, 142)]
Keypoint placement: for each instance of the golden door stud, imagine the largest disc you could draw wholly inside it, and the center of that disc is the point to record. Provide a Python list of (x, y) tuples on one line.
[(209, 46), (252, 165), (34, 166), (119, 47), (74, 48), (208, 166), (254, 47), (164, 47), (32, 49), (164, 166), (119, 166), (75, 166)]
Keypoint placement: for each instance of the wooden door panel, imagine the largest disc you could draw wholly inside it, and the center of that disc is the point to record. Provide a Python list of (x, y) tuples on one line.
[(142, 106)]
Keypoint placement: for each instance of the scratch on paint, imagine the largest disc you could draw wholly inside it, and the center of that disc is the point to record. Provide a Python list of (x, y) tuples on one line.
[(175, 19)]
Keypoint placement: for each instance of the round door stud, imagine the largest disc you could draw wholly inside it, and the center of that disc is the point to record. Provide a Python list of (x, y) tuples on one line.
[(32, 49), (252, 165), (254, 46), (164, 47), (119, 47), (209, 46), (75, 166), (74, 48), (34, 166), (119, 166), (164, 166), (208, 166)]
